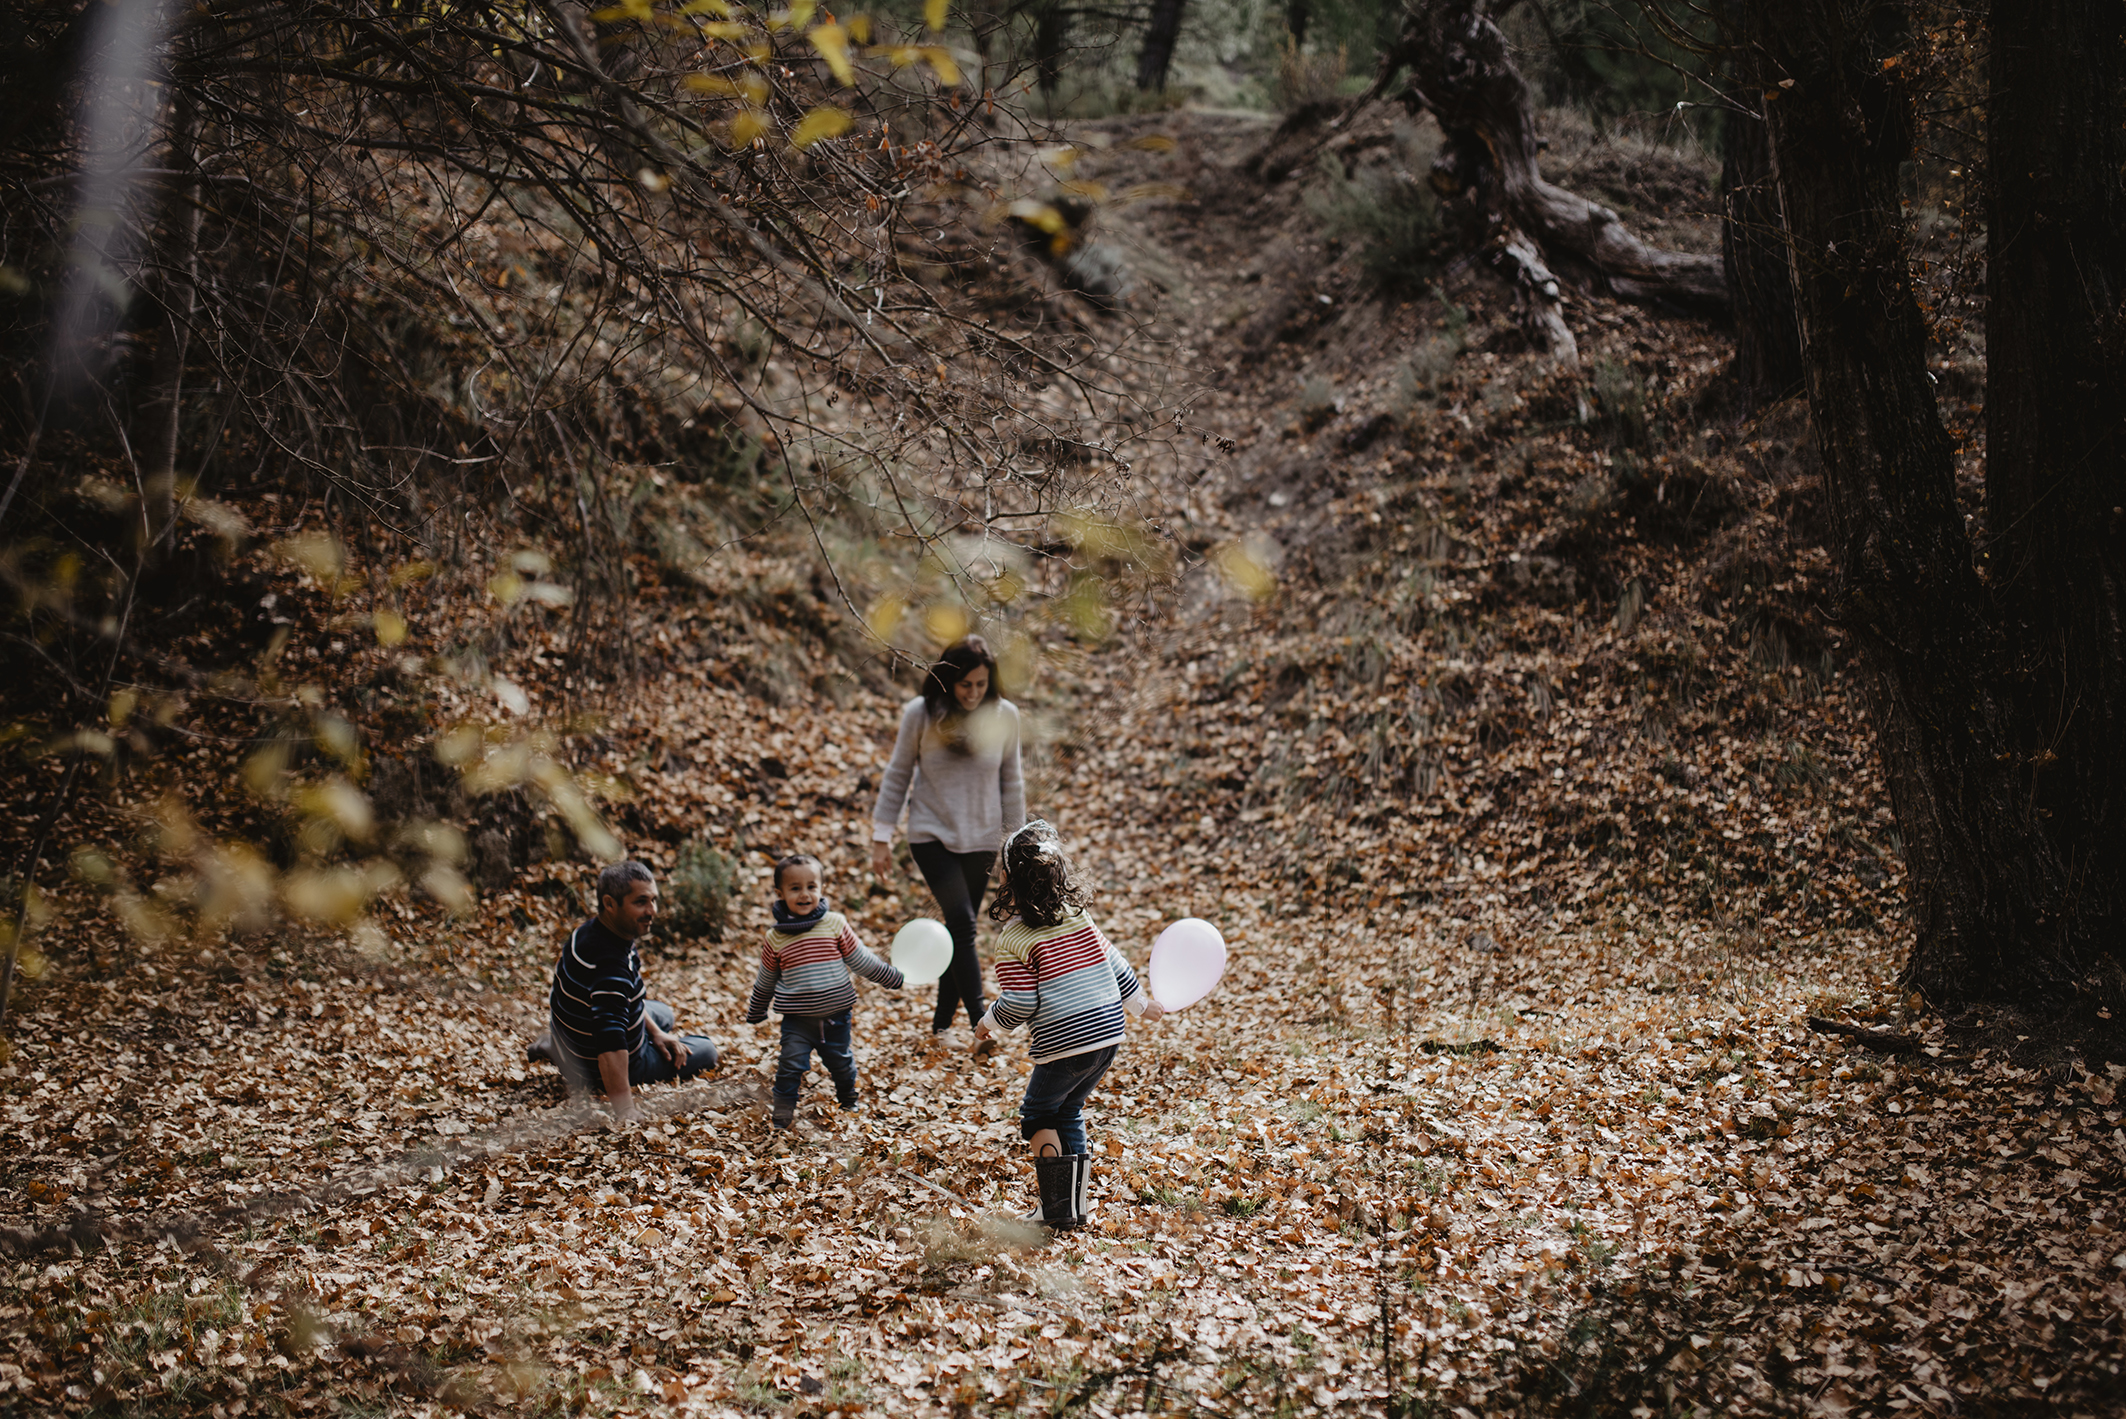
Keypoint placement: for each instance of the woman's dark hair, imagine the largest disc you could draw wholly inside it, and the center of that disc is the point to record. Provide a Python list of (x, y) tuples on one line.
[(958, 661), (798, 859), (1040, 886)]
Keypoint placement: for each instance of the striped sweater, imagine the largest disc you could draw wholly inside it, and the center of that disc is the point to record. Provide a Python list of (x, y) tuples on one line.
[(806, 971), (1067, 983), (597, 995)]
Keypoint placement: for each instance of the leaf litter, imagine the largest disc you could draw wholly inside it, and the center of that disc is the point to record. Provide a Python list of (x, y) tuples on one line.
[(1508, 1103)]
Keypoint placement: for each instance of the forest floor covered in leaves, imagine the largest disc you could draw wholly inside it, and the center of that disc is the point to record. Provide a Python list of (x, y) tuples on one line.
[(1540, 818)]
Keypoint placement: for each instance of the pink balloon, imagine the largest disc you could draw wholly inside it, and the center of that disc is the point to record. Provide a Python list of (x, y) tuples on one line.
[(1187, 960)]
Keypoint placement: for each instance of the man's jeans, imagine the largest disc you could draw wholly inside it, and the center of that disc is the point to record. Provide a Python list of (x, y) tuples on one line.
[(1055, 1096), (801, 1035), (648, 1065)]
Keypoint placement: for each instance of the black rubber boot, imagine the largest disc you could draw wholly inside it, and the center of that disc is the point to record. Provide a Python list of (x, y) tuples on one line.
[(1062, 1182)]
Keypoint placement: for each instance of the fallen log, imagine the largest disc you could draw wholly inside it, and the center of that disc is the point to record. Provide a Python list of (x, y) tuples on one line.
[(1880, 1041)]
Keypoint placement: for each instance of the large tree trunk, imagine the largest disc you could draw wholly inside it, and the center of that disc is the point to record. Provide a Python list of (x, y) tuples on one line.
[(1996, 902), (1461, 72), (2055, 456), (1160, 36), (1753, 250)]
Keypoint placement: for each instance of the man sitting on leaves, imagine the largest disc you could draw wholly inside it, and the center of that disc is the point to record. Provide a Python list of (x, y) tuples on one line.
[(604, 1035)]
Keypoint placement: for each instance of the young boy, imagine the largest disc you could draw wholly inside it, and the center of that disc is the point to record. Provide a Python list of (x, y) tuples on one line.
[(804, 977)]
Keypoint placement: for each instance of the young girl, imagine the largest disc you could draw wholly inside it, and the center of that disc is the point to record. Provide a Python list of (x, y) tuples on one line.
[(1058, 974), (804, 975)]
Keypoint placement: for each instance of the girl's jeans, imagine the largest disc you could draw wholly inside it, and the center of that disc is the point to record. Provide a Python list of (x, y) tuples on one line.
[(1056, 1094), (802, 1034), (957, 880)]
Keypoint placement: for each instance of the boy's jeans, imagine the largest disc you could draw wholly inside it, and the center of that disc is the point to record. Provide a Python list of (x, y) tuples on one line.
[(802, 1034), (1055, 1096)]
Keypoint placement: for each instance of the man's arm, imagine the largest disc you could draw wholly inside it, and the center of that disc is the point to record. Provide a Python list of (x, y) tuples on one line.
[(674, 1048), (612, 1069)]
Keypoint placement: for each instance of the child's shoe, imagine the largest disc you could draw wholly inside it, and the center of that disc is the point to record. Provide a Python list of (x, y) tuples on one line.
[(852, 1106), (542, 1048), (1062, 1181), (784, 1114)]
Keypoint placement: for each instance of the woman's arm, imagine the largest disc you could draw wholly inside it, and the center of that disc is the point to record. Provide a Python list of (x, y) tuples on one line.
[(1011, 783), (900, 774)]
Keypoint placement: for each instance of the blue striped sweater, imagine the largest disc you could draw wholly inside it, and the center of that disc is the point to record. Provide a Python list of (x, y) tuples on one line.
[(1067, 983), (806, 971), (597, 995)]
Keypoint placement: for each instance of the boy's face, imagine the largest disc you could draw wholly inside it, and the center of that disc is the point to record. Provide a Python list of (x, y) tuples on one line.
[(800, 888)]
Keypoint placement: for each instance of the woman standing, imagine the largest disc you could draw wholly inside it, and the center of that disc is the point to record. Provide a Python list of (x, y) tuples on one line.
[(955, 768)]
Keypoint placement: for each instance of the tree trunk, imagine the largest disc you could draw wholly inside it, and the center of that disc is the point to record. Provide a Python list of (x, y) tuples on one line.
[(1993, 900), (179, 298), (1753, 252), (1461, 72), (1296, 15), (1160, 36), (2055, 456), (1051, 32)]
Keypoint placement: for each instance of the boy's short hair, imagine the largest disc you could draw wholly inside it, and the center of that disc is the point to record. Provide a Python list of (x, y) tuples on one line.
[(797, 859), (618, 880)]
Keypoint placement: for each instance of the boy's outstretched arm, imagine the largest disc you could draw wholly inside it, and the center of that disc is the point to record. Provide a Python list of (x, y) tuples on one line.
[(870, 967)]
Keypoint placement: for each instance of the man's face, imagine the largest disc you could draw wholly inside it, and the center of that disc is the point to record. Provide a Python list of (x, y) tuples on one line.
[(631, 915)]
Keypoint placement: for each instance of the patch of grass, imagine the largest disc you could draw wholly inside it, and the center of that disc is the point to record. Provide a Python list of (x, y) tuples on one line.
[(1304, 78), (1387, 209)]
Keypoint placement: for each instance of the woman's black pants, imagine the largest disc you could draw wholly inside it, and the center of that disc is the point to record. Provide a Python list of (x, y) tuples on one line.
[(957, 880)]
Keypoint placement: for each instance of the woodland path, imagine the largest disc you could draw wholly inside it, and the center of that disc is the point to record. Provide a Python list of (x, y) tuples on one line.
[(1438, 1144)]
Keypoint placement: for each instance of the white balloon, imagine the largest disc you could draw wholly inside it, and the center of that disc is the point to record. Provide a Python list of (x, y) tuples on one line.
[(1187, 960), (922, 950)]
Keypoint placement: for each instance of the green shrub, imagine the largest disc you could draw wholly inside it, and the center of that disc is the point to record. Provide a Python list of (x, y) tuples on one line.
[(697, 895), (1388, 208)]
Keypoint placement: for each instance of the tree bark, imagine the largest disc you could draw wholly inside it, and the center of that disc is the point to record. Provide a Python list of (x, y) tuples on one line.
[(1051, 32), (1994, 900), (179, 298), (1296, 15), (1753, 252), (2055, 454), (1160, 36), (1461, 72)]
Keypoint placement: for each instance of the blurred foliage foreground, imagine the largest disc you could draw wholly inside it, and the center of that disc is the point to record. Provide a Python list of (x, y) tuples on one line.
[(355, 350)]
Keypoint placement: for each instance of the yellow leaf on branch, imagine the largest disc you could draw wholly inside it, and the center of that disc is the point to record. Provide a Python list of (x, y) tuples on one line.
[(942, 64), (823, 122), (832, 42)]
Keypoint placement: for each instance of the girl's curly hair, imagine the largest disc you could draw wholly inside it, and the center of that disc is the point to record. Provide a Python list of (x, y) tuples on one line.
[(1040, 886)]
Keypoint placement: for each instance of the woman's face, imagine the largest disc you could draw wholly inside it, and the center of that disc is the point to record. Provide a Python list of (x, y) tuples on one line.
[(972, 688)]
